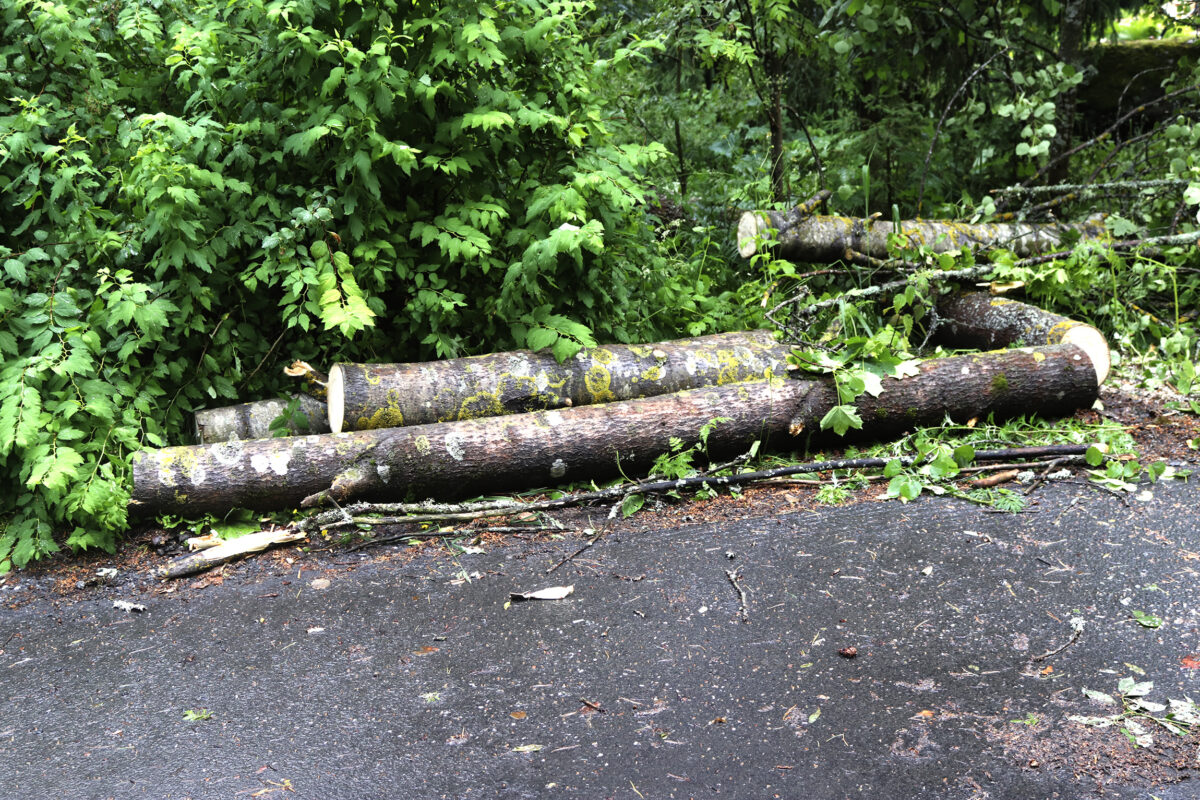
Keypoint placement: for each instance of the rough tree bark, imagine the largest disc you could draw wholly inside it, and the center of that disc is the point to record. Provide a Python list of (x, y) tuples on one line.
[(556, 446), (825, 239), (253, 420), (367, 396), (979, 320)]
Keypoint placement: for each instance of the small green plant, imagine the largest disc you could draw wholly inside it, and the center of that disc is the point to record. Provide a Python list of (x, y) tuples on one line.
[(197, 714), (833, 494)]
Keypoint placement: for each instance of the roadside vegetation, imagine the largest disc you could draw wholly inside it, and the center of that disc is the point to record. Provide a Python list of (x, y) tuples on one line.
[(194, 194)]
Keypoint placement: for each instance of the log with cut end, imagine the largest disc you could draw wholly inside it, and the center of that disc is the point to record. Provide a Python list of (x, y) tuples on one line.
[(253, 420), (825, 239), (543, 448), (366, 396), (979, 320)]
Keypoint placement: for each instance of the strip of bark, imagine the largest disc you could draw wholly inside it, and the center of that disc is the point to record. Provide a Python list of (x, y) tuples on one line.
[(544, 448)]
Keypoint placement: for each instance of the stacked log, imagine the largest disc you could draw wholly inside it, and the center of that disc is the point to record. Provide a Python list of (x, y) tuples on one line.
[(467, 457)]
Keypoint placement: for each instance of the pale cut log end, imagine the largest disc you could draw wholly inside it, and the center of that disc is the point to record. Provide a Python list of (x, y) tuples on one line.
[(750, 226), (1092, 342), (335, 398)]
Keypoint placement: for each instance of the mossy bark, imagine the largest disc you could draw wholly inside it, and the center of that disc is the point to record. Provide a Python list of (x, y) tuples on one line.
[(367, 396), (544, 448), (825, 239)]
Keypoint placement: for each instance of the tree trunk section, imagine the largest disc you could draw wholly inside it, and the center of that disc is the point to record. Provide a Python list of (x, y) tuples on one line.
[(545, 448), (826, 239), (979, 320), (253, 420), (368, 396)]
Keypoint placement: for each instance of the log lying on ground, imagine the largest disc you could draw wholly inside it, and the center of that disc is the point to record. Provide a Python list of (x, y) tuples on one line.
[(367, 396), (454, 459), (823, 239), (980, 321), (253, 420)]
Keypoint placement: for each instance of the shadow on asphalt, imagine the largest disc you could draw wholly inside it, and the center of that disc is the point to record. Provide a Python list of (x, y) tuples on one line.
[(650, 680)]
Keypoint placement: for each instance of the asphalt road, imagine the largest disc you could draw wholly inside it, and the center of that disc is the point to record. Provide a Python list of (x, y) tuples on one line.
[(699, 662)]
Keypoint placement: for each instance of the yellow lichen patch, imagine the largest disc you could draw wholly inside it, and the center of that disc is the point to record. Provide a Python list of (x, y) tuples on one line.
[(602, 356), (190, 466), (482, 404), (383, 418), (729, 369), (1000, 301), (1058, 333), (371, 378), (655, 373), (1038, 357), (422, 444), (640, 351), (598, 381)]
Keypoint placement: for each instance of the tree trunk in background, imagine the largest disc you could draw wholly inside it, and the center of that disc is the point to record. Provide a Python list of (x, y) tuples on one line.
[(364, 396), (825, 239), (1070, 43), (544, 448)]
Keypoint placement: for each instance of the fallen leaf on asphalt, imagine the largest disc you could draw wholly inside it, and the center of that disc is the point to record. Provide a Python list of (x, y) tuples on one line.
[(549, 593), (527, 748), (426, 650), (1191, 662), (517, 715), (925, 713), (320, 583), (848, 652)]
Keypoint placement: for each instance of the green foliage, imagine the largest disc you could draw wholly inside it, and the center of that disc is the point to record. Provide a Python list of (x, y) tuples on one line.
[(192, 190)]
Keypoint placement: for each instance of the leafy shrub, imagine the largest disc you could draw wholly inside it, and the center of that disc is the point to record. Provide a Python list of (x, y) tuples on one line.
[(192, 192)]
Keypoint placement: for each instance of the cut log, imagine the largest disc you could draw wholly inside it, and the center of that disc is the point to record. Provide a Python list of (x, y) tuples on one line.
[(979, 320), (544, 448), (368, 396), (253, 420), (823, 239)]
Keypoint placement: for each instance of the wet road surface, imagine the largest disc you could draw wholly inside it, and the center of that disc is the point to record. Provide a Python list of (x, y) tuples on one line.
[(711, 660)]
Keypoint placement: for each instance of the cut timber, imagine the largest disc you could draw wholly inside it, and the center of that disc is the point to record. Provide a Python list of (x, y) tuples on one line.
[(463, 458), (979, 320), (823, 240), (367, 396), (253, 420)]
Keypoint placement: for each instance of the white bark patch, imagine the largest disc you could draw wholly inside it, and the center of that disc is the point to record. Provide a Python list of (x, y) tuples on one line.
[(454, 446), (558, 468), (966, 370), (227, 453), (384, 472), (274, 462), (553, 418)]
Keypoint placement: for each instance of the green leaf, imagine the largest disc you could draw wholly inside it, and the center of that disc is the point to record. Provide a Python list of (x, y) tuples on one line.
[(840, 419), (632, 504), (906, 487), (1094, 456), (1147, 620)]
